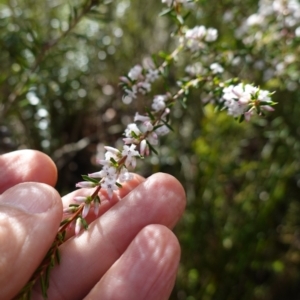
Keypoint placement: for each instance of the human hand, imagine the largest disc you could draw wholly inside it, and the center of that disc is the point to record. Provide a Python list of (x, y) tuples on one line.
[(128, 251)]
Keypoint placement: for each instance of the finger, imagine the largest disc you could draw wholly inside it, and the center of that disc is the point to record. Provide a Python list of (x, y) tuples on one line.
[(158, 200), (106, 203), (26, 165), (147, 269), (30, 214)]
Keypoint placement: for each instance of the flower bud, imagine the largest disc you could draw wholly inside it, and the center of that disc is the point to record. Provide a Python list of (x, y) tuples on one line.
[(86, 210), (144, 148), (85, 184), (80, 199), (78, 226)]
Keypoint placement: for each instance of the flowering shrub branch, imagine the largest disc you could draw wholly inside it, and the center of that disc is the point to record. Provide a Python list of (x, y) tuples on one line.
[(141, 137)]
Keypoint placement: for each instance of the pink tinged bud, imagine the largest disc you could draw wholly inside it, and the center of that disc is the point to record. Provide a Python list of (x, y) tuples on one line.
[(95, 175), (141, 118), (129, 140), (144, 148), (112, 150), (96, 207), (166, 112), (148, 126), (103, 162), (86, 210), (85, 184), (247, 115), (124, 79), (78, 226), (267, 107), (80, 199)]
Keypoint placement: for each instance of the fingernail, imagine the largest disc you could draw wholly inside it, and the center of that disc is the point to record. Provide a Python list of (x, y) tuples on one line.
[(33, 198)]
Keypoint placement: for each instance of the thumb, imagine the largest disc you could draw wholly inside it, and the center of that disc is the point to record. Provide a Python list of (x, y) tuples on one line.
[(30, 214)]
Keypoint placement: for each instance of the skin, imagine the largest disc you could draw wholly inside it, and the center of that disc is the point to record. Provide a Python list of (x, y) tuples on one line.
[(128, 252)]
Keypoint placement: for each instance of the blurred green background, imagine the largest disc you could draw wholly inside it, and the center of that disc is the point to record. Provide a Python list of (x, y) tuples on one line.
[(59, 93)]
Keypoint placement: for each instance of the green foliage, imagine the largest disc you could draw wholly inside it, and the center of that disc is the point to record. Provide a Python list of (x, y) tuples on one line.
[(59, 93)]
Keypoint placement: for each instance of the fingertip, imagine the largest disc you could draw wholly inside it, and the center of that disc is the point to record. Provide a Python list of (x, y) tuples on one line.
[(26, 165), (167, 186), (169, 181)]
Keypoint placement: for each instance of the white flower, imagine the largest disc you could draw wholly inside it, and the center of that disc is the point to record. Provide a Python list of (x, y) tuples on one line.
[(131, 93), (130, 154), (162, 130), (195, 69), (109, 184), (125, 175), (135, 72), (264, 96), (159, 102), (132, 127), (195, 37), (111, 153), (146, 126), (108, 171), (196, 33), (242, 99), (216, 68), (211, 35), (144, 87), (152, 138), (152, 75)]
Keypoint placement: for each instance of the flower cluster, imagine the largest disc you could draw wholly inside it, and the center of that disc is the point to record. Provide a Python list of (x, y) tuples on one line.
[(196, 38), (139, 80), (139, 139), (244, 99)]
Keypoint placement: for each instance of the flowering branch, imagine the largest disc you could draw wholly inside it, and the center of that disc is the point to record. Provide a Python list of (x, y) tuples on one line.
[(141, 136)]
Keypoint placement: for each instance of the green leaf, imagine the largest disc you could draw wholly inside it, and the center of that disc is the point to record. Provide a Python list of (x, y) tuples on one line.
[(183, 102), (43, 287), (151, 148), (84, 224), (63, 222), (57, 256), (87, 178), (97, 199), (168, 125), (149, 113), (115, 163), (119, 185), (166, 12), (47, 277), (180, 19)]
